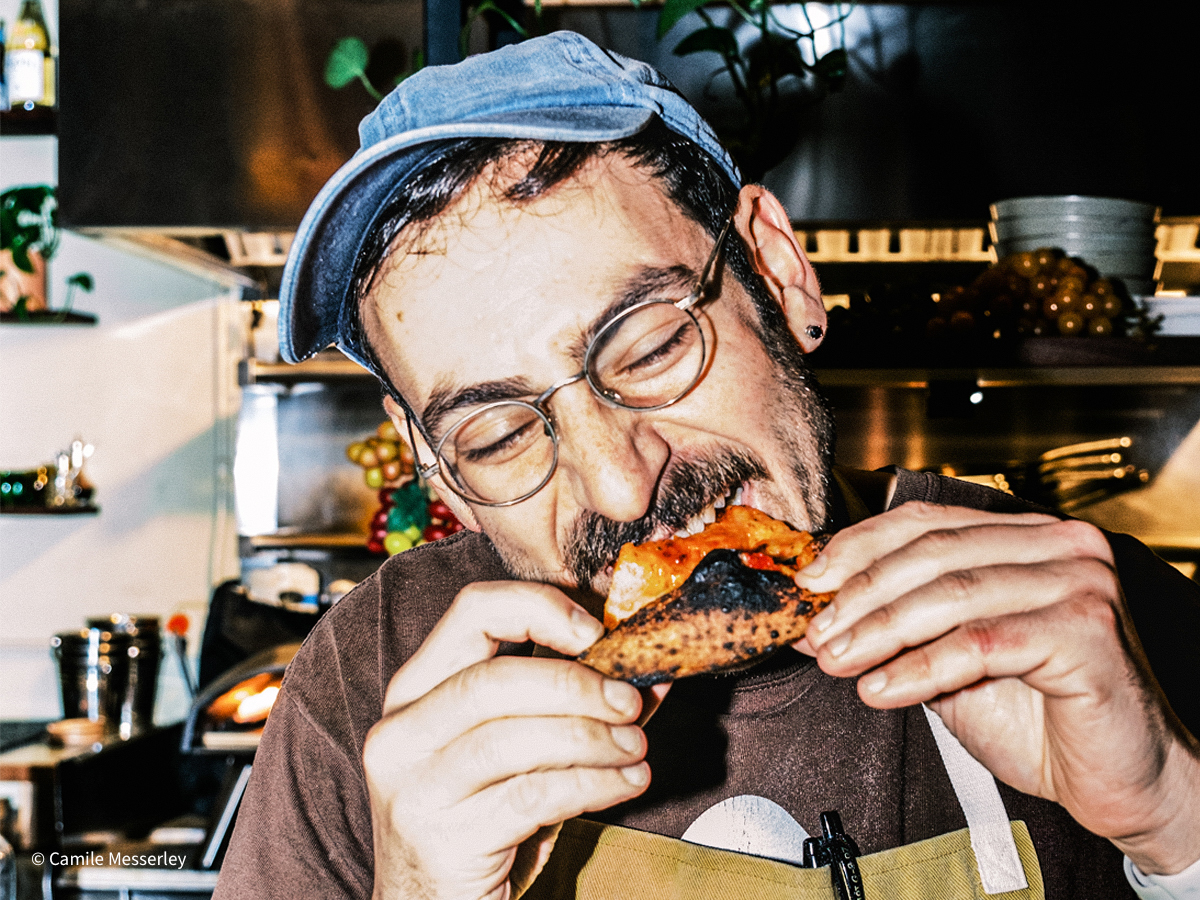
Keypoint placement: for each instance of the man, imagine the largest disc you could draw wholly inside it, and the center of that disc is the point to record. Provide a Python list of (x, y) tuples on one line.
[(595, 336)]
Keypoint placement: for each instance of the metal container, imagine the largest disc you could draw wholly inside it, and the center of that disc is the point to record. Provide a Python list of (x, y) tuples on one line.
[(145, 655), (93, 670)]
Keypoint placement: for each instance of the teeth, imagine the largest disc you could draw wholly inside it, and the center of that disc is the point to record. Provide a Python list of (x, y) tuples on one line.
[(720, 502), (708, 515)]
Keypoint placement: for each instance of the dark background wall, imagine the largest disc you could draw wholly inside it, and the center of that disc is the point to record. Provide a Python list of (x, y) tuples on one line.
[(212, 112), (950, 106)]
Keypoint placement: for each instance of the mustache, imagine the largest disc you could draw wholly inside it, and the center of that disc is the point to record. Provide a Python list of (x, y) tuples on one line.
[(684, 491)]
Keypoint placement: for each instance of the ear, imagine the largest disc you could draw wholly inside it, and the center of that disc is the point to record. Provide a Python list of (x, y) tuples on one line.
[(774, 253), (424, 456)]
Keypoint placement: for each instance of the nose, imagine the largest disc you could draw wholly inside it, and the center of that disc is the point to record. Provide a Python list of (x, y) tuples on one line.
[(611, 458)]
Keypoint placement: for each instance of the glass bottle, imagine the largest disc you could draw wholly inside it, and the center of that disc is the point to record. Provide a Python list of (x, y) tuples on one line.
[(3, 69), (29, 70)]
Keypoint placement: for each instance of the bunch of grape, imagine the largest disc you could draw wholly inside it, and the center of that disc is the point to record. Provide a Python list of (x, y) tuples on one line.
[(409, 514), (385, 458), (1036, 293)]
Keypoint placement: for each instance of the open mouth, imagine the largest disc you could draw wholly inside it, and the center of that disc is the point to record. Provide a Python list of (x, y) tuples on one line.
[(690, 497), (708, 515), (731, 496)]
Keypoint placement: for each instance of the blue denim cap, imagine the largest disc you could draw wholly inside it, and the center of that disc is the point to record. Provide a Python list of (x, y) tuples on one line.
[(560, 87)]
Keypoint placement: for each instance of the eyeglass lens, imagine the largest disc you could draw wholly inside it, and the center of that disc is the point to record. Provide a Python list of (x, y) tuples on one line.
[(646, 358)]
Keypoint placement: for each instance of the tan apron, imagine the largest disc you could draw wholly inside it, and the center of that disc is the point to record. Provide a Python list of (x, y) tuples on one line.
[(991, 859), (606, 862)]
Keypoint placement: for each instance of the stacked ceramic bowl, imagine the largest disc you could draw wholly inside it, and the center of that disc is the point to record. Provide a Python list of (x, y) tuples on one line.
[(1116, 237)]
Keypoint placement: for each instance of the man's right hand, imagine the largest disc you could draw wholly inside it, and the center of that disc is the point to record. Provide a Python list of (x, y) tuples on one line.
[(475, 754)]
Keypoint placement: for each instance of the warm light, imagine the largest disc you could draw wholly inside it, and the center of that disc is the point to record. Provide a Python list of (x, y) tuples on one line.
[(243, 702), (255, 707)]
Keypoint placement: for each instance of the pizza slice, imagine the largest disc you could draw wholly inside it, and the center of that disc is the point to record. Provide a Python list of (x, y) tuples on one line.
[(722, 597)]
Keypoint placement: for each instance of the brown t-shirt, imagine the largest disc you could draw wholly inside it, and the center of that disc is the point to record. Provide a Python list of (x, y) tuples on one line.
[(785, 731)]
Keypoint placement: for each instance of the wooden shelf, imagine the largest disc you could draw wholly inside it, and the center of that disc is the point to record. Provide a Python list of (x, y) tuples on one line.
[(351, 540), (324, 367)]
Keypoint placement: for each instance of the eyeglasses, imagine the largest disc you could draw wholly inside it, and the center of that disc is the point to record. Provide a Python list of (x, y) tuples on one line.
[(645, 358)]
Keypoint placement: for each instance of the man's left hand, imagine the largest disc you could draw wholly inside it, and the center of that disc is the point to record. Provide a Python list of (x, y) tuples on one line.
[(1014, 629)]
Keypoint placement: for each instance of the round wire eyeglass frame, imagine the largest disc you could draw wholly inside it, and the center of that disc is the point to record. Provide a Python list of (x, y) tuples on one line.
[(609, 396)]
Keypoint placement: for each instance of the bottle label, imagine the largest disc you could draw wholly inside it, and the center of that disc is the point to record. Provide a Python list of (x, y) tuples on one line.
[(26, 71), (50, 67)]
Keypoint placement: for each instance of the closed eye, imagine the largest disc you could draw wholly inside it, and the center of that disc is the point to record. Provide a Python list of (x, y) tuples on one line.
[(503, 449), (659, 354)]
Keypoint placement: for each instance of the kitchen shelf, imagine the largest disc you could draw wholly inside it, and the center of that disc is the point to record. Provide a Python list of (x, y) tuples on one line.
[(329, 368), (1047, 376), (89, 509), (350, 540), (324, 367), (48, 317)]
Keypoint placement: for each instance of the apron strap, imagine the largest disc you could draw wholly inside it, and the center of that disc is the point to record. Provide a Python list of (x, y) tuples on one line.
[(996, 854), (1000, 867)]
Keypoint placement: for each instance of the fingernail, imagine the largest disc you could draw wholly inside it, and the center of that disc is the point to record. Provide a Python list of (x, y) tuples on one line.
[(587, 628), (622, 697), (627, 737), (816, 568), (875, 682), (636, 775), (824, 620), (838, 645)]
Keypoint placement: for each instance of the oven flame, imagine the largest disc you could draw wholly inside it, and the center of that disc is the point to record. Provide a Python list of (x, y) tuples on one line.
[(255, 707), (248, 702)]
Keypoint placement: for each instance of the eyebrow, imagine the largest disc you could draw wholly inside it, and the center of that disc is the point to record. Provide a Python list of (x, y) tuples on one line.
[(647, 283), (446, 398)]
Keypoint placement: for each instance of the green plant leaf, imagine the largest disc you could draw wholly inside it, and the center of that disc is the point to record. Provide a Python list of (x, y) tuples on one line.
[(832, 67), (772, 58), (714, 38), (82, 280), (475, 12), (27, 221), (347, 62), (20, 253), (673, 11), (8, 227)]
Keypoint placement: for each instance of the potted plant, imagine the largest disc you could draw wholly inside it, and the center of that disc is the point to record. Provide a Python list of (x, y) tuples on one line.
[(29, 237), (769, 69)]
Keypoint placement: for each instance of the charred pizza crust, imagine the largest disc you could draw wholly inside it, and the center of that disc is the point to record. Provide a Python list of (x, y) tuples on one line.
[(724, 614)]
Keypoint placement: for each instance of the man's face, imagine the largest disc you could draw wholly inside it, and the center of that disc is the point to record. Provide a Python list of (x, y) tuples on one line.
[(489, 293)]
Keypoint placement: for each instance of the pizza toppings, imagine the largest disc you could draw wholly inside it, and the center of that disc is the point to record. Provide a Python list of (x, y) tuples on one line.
[(645, 572), (724, 614), (730, 597)]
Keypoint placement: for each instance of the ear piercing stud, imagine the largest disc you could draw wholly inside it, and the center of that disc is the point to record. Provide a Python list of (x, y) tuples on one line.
[(814, 331)]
